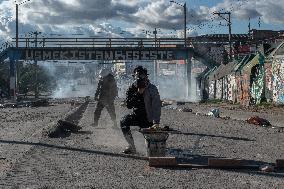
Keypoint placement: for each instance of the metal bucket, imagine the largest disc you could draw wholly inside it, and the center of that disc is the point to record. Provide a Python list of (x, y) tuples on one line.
[(156, 143)]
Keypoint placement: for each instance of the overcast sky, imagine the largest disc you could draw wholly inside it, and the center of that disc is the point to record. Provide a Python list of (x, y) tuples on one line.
[(130, 18)]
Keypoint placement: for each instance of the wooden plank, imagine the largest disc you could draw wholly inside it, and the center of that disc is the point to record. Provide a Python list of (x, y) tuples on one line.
[(162, 161), (224, 162)]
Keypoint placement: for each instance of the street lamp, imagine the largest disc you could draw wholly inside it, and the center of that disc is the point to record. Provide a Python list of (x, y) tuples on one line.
[(17, 22), (184, 12)]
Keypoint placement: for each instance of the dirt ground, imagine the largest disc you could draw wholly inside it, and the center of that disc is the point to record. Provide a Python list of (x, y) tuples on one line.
[(92, 158)]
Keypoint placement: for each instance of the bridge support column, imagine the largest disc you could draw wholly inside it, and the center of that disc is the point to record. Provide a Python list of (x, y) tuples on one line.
[(188, 64), (13, 80)]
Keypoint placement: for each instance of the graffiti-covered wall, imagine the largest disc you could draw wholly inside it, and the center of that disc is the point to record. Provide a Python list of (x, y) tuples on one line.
[(250, 81), (278, 80)]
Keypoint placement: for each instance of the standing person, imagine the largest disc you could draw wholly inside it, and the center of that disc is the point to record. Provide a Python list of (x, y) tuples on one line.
[(144, 99), (105, 95)]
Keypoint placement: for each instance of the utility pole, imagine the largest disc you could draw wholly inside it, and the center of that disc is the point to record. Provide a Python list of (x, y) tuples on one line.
[(249, 27), (155, 34), (17, 26), (220, 14), (184, 10), (155, 61), (17, 21), (184, 13)]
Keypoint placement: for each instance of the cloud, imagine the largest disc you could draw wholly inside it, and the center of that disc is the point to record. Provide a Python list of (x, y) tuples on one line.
[(128, 16), (270, 11)]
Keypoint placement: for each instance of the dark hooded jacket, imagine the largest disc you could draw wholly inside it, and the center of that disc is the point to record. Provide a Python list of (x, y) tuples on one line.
[(152, 102), (107, 89)]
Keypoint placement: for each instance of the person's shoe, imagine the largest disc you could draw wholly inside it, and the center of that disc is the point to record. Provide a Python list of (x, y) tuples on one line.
[(129, 150)]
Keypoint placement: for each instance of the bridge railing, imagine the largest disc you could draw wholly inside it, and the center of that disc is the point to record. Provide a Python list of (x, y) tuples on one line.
[(101, 42)]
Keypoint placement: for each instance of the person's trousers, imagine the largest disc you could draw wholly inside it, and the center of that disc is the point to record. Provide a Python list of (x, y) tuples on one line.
[(110, 108), (134, 120)]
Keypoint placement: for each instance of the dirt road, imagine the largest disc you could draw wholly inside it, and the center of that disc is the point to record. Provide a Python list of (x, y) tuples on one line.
[(92, 158)]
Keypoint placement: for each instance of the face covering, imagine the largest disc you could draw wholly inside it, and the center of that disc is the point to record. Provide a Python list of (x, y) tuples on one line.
[(140, 83)]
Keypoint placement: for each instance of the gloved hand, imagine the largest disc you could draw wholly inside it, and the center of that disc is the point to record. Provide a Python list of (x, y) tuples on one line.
[(156, 126)]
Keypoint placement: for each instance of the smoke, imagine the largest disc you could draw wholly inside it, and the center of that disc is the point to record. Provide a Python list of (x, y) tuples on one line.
[(79, 79), (72, 79), (169, 77)]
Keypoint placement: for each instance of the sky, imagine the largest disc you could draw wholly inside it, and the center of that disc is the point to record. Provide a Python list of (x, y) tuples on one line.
[(132, 18)]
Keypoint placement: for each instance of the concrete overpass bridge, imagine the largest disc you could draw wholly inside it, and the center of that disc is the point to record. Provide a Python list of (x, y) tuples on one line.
[(41, 49)]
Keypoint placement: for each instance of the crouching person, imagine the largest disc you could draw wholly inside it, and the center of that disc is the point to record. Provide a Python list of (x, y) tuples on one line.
[(144, 99)]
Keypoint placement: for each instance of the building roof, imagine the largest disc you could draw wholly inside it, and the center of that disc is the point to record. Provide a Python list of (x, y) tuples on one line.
[(279, 50), (220, 38)]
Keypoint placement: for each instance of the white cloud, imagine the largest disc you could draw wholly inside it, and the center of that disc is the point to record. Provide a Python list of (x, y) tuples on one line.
[(88, 15)]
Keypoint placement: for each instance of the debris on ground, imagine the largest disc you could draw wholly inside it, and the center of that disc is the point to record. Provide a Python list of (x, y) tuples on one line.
[(62, 128), (185, 110), (226, 117), (258, 121), (180, 103), (22, 104), (199, 113), (214, 112), (40, 103), (266, 168), (87, 98), (166, 103), (171, 107)]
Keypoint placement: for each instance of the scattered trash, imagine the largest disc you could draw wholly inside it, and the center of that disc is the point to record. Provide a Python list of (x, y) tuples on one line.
[(87, 98), (39, 103), (166, 103), (226, 117), (180, 103), (171, 107), (214, 112), (185, 110), (68, 126), (266, 168), (258, 121), (198, 113), (63, 127)]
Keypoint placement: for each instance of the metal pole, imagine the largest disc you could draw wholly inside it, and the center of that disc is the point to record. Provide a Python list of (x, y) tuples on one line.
[(184, 10), (155, 61), (230, 28), (17, 28), (36, 71), (230, 35)]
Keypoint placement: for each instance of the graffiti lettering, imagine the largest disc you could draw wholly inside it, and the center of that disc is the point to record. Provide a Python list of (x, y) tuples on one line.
[(98, 55)]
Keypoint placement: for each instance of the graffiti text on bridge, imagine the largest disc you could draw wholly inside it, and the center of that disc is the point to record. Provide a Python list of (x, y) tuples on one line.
[(52, 54)]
